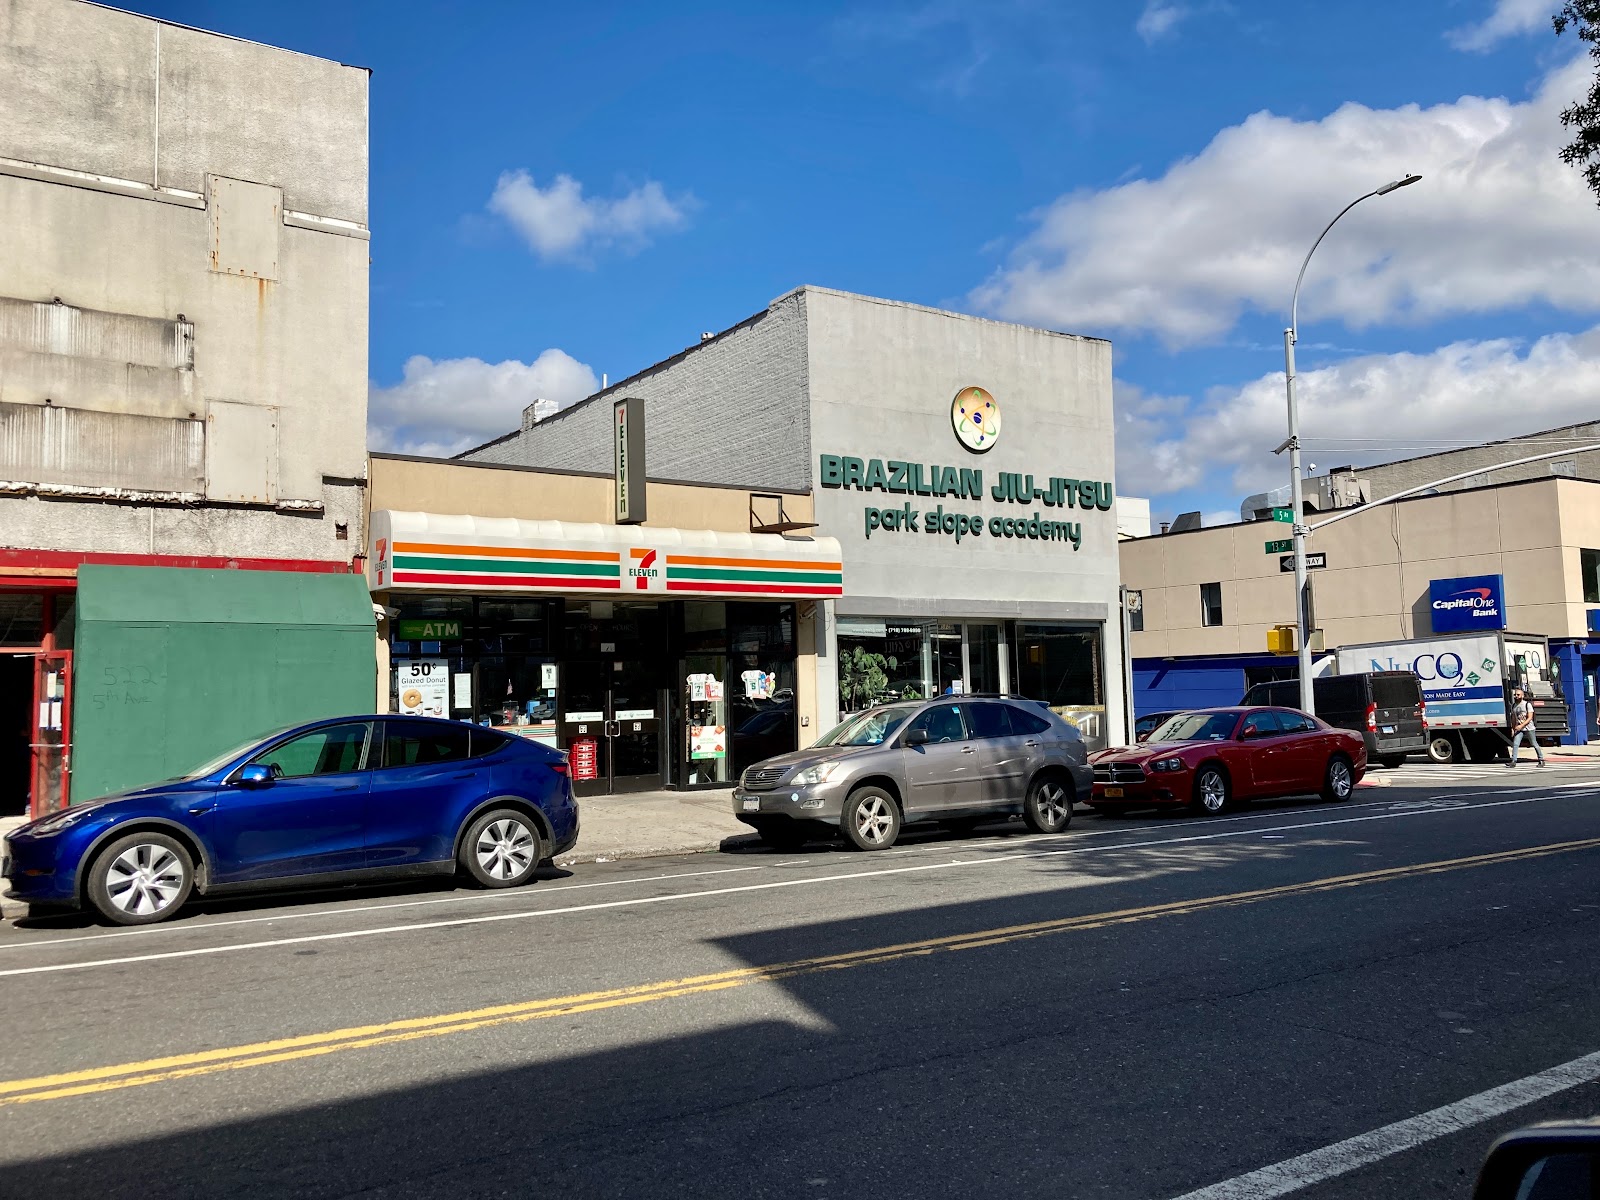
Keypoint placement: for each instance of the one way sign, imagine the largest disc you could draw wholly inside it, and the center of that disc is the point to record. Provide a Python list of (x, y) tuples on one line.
[(1314, 562)]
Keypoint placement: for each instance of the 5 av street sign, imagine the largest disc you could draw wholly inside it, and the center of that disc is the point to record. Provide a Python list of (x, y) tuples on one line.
[(1314, 562), (1283, 514)]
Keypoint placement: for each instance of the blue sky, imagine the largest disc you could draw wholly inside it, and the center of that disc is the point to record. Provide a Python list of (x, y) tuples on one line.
[(563, 190)]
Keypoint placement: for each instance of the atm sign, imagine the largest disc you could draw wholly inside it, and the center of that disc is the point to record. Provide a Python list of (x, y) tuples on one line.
[(428, 631)]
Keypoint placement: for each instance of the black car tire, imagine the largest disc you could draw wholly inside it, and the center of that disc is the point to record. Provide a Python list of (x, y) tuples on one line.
[(1339, 780), (149, 870), (1392, 761), (871, 819), (1048, 807), (503, 848), (1212, 795), (1442, 748)]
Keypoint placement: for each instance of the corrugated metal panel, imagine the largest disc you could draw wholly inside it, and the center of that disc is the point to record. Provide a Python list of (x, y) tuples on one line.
[(87, 333), (51, 444)]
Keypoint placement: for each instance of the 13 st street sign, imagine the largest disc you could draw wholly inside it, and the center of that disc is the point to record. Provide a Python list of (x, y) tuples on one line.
[(1280, 546)]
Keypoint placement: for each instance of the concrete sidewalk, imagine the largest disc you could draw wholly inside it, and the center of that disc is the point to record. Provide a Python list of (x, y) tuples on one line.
[(645, 824)]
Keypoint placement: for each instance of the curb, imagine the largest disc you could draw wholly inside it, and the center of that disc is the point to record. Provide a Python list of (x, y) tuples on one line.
[(13, 910), (731, 842)]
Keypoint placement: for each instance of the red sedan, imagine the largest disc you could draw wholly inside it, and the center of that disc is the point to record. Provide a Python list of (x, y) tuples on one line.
[(1210, 758)]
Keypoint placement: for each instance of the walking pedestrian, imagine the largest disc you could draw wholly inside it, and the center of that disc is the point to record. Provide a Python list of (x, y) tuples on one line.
[(1522, 727)]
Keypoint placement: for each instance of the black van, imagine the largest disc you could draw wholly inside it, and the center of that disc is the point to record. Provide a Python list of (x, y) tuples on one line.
[(1384, 707)]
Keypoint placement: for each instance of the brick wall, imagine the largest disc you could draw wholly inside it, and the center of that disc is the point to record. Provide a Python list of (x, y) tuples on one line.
[(731, 410)]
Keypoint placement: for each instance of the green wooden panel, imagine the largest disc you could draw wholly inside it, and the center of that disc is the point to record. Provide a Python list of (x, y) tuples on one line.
[(173, 665)]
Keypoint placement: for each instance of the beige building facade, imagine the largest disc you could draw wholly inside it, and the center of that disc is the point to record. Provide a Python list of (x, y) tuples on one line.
[(1204, 600)]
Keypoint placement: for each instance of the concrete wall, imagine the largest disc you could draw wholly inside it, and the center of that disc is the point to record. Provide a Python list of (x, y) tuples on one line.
[(730, 410), (163, 187), (883, 376), (1379, 566), (486, 490)]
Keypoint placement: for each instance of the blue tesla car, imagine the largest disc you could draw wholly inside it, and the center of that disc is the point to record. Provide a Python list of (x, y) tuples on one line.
[(342, 800)]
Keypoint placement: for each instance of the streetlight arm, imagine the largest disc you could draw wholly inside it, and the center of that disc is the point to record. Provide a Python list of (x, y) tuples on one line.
[(1294, 304)]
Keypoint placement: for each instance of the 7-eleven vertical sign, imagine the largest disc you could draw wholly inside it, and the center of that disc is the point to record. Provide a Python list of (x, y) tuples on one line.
[(645, 570)]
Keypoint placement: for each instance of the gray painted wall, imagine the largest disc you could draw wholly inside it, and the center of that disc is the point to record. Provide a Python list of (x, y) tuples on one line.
[(1389, 478), (731, 410), (211, 146)]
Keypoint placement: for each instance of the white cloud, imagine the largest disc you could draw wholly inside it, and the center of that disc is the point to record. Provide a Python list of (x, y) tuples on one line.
[(441, 408), (1363, 410), (1497, 222), (1509, 18), (559, 222), (1159, 18)]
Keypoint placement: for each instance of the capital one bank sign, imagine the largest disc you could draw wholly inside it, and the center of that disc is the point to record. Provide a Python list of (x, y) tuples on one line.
[(1471, 603)]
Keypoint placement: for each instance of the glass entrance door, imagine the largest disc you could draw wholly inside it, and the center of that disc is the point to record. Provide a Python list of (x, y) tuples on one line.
[(613, 705)]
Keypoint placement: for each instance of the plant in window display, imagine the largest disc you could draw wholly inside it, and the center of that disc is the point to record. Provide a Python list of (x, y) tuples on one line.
[(864, 677)]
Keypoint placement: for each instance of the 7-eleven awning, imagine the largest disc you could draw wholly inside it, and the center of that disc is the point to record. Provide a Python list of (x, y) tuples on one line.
[(429, 552)]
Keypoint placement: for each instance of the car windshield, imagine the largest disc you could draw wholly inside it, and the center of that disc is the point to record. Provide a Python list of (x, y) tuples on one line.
[(227, 756), (869, 728), (1197, 727)]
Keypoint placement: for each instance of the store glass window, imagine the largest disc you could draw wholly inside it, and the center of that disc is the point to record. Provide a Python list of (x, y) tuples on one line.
[(1062, 665), (1591, 575), (885, 659)]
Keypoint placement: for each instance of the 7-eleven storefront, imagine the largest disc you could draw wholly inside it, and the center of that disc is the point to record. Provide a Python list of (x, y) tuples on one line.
[(655, 657)]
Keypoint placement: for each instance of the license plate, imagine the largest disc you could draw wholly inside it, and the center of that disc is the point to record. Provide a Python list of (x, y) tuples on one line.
[(1111, 791), (1386, 729), (752, 804)]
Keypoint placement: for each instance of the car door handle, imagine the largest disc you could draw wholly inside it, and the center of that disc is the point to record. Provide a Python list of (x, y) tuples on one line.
[(200, 810), (344, 787), (1031, 745), (969, 749), (465, 775)]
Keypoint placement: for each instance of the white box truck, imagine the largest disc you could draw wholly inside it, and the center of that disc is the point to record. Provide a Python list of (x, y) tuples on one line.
[(1466, 684)]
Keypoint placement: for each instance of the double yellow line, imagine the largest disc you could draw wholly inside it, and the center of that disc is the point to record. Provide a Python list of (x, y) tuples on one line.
[(313, 1045)]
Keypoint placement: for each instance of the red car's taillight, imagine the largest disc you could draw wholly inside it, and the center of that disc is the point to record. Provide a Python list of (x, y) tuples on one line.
[(1422, 711), (1372, 718)]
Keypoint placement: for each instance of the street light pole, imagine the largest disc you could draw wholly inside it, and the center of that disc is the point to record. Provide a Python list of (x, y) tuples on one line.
[(1301, 529)]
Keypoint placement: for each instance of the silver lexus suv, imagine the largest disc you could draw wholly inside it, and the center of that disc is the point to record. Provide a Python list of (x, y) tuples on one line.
[(955, 760)]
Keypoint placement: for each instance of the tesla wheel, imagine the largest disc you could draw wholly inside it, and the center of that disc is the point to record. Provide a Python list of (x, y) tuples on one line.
[(1442, 748), (502, 849), (140, 879), (1340, 779), (1211, 791), (871, 819), (1048, 808)]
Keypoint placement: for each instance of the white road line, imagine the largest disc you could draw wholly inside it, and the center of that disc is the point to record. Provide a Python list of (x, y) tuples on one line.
[(539, 894), (808, 881), (1341, 1158)]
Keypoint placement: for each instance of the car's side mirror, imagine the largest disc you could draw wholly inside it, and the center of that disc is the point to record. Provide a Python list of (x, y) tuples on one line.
[(1251, 732), (917, 736), (1545, 1162), (254, 775)]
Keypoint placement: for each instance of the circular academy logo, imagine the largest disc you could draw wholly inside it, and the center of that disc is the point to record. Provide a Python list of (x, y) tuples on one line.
[(976, 418)]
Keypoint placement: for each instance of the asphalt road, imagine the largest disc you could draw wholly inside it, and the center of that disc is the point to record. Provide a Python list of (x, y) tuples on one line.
[(1143, 1006)]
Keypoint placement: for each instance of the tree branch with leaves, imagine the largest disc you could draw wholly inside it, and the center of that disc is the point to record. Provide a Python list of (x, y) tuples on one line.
[(1582, 117)]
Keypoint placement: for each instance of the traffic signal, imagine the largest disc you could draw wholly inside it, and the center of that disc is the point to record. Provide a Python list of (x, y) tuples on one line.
[(1280, 639)]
